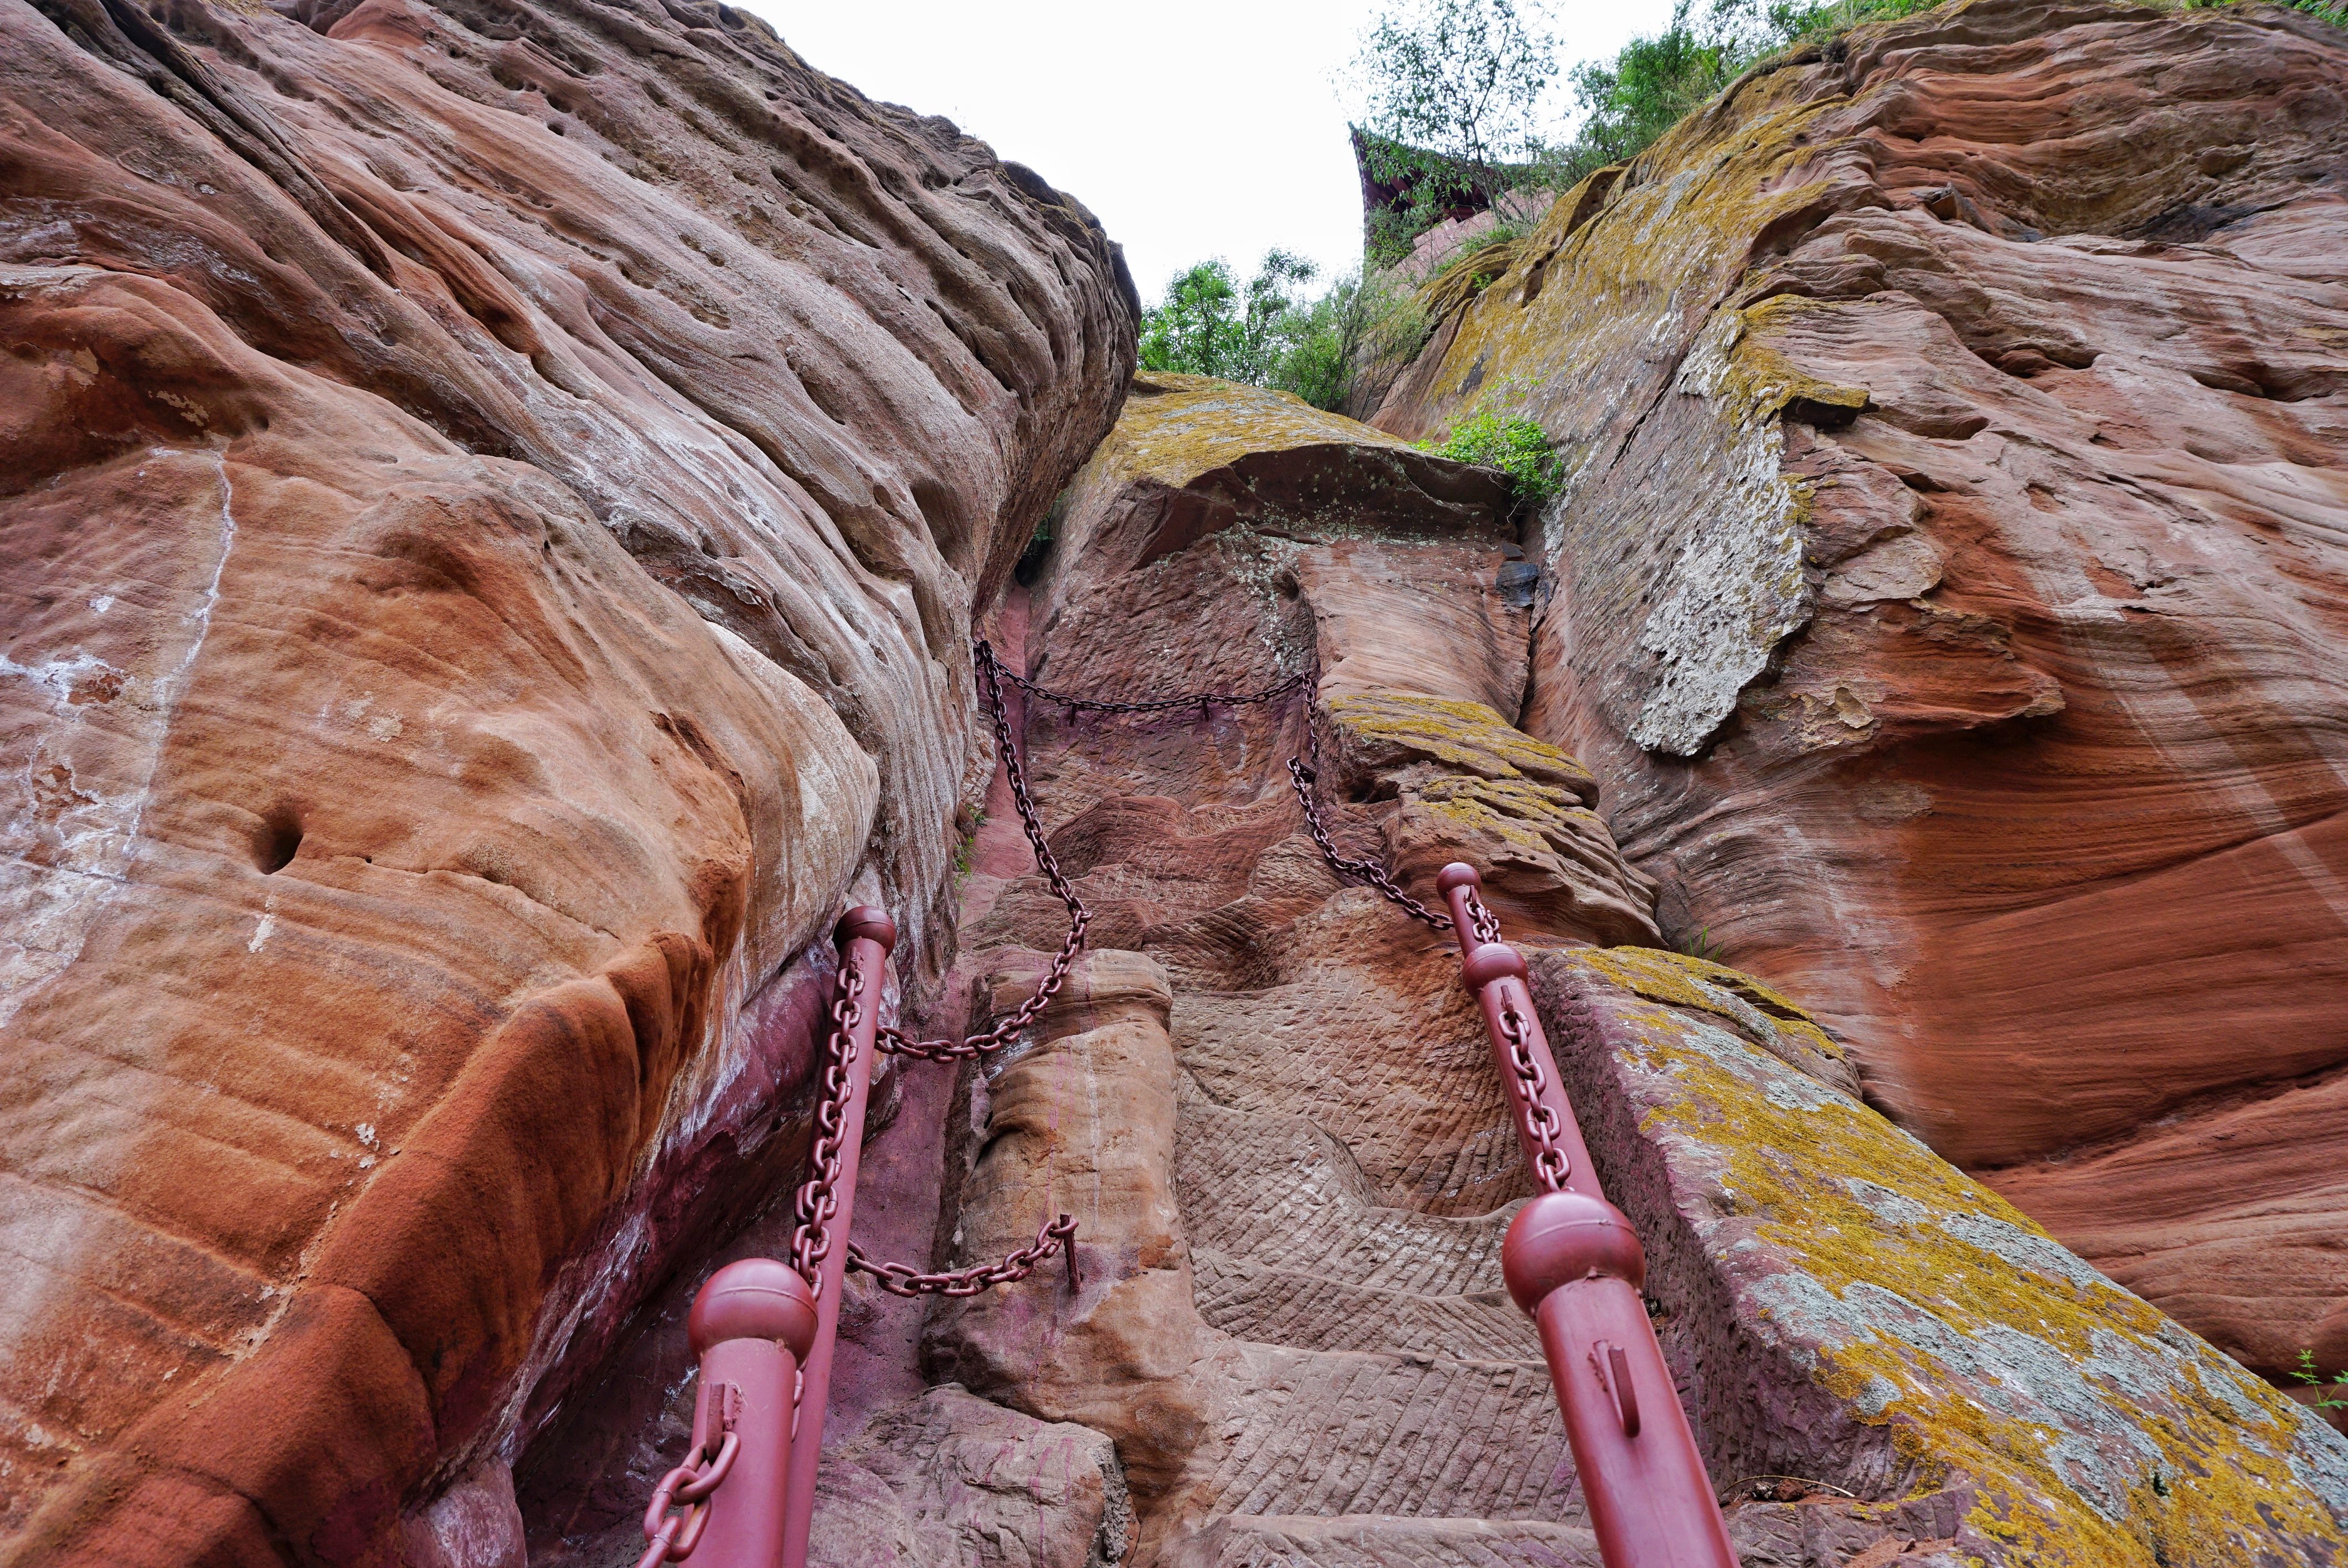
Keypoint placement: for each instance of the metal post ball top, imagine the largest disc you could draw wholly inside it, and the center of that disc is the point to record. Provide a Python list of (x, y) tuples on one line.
[(1459, 874), (1492, 961), (1560, 1237), (756, 1298), (871, 922)]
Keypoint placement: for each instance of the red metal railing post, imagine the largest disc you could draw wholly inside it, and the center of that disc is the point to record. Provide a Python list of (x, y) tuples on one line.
[(867, 935), (1574, 1263), (751, 1326)]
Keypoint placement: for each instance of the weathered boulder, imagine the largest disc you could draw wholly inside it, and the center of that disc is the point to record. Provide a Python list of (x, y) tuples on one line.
[(1197, 456), (1079, 1120), (1849, 1310), (493, 503), (1945, 586), (1381, 566)]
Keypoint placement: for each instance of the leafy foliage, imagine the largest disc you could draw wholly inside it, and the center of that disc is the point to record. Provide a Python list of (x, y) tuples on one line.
[(1270, 332), (1209, 324), (2306, 1373), (1452, 94), (1653, 83), (1517, 447)]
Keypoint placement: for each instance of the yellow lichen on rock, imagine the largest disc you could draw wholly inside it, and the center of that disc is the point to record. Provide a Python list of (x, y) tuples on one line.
[(1475, 788), (1532, 816), (1176, 427), (1764, 1016), (1592, 279), (1392, 729), (2089, 1431)]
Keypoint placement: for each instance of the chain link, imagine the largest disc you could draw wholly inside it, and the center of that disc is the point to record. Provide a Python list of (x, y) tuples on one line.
[(1304, 772), (1528, 1081), (1550, 1167), (897, 1279), (818, 1199), (673, 1536), (1153, 704), (1303, 776), (1480, 920)]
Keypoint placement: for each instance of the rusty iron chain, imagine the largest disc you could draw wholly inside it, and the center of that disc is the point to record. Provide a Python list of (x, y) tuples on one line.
[(1057, 1235), (1480, 920), (673, 1536), (1304, 772), (1302, 775), (1153, 704), (1550, 1167), (819, 1198), (991, 678), (819, 1201)]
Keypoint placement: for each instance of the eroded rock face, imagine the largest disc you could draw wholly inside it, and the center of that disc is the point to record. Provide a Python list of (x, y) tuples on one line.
[(1946, 588), (493, 506), (1200, 455), (1294, 1327), (1859, 1314), (947, 1481), (1079, 1120), (1315, 1330)]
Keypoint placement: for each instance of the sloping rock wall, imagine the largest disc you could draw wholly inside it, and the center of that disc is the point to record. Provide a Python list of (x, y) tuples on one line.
[(492, 508), (1268, 1100), (1855, 1312), (1946, 586)]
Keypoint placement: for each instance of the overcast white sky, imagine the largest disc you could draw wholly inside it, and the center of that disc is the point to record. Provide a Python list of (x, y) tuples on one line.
[(1210, 127)]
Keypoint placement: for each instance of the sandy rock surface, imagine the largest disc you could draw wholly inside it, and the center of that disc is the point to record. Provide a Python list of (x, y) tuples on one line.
[(1271, 1106), (493, 505), (947, 1481), (1946, 588), (1854, 1312)]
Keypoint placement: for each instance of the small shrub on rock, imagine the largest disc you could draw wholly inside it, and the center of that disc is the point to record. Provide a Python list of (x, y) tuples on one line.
[(1517, 447)]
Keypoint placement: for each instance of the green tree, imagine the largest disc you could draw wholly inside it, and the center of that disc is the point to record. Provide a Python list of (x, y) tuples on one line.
[(1209, 324), (1451, 96), (1348, 345), (1269, 323), (1269, 330), (1654, 83), (1192, 329)]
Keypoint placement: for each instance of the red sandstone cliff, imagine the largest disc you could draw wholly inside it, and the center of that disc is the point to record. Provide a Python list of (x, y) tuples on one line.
[(1946, 587), (492, 506)]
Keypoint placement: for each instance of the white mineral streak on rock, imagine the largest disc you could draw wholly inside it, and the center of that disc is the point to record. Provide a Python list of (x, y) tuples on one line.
[(1736, 590), (70, 840)]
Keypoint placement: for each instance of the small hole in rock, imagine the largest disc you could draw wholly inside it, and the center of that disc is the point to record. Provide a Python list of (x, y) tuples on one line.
[(278, 841)]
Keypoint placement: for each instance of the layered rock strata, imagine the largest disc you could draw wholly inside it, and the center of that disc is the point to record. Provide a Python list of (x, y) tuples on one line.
[(1946, 586), (1852, 1311), (493, 505), (1269, 1101)]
